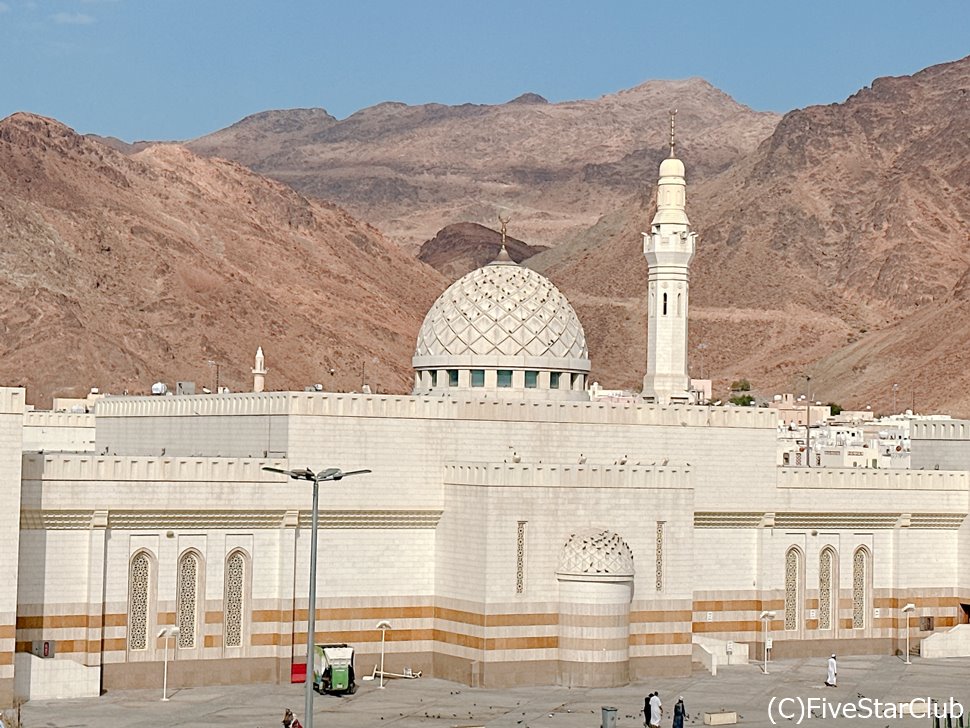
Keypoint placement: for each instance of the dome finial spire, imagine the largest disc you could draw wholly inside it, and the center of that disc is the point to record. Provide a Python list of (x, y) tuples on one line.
[(503, 254), (673, 113), (505, 222)]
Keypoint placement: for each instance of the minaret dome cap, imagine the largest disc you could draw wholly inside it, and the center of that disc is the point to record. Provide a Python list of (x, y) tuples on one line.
[(672, 167)]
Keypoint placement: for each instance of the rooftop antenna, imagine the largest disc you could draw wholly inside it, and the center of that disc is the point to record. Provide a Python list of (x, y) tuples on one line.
[(673, 113)]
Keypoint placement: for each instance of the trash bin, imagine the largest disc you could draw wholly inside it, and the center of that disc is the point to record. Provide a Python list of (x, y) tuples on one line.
[(609, 717)]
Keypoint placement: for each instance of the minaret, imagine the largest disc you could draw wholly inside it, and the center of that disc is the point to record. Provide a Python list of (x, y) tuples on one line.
[(259, 371), (669, 249)]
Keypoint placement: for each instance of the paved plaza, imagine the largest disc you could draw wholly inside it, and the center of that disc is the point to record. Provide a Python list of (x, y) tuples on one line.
[(429, 703)]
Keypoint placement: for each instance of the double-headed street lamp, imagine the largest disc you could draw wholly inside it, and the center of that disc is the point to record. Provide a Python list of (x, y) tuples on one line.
[(316, 479)]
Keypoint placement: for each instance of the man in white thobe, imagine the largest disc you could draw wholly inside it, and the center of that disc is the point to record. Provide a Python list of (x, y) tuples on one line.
[(832, 674), (656, 711)]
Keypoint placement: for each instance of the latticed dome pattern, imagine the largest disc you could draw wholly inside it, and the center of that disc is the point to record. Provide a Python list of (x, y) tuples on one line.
[(599, 553), (504, 310)]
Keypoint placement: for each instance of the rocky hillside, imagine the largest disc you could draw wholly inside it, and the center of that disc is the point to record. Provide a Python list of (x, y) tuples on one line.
[(556, 168), (839, 248), (461, 248), (834, 243), (118, 271)]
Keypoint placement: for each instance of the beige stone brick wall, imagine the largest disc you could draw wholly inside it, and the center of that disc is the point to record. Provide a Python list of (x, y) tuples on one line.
[(11, 445)]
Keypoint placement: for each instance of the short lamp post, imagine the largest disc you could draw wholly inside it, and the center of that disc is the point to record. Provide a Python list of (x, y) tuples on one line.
[(765, 618), (383, 626), (167, 633), (316, 479), (908, 610)]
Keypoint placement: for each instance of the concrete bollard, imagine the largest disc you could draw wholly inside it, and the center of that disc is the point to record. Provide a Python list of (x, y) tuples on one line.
[(609, 717)]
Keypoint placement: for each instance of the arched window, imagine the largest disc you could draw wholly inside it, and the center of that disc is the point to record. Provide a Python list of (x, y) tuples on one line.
[(860, 587), (793, 570), (139, 600), (679, 296), (187, 606), (234, 602), (826, 587), (665, 304)]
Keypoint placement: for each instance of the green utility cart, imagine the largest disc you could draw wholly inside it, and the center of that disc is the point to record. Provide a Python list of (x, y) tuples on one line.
[(333, 669)]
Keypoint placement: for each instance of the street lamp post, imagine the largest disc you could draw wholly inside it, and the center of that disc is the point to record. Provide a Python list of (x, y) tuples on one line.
[(895, 389), (316, 479), (808, 420), (167, 633), (383, 626), (908, 610), (766, 617)]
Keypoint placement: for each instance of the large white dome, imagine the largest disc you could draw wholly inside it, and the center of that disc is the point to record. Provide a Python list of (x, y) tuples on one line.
[(505, 310), (501, 318)]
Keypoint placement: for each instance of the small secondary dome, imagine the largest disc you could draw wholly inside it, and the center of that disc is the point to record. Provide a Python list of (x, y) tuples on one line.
[(501, 318), (596, 554)]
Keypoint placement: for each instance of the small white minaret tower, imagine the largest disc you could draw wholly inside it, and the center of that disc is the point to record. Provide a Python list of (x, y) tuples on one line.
[(669, 249), (259, 371)]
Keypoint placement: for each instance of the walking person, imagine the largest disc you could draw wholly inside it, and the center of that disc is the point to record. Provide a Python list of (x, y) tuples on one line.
[(833, 672), (646, 709), (656, 711), (680, 713)]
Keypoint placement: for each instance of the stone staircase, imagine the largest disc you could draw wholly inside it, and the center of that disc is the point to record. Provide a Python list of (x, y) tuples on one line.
[(709, 653), (955, 642)]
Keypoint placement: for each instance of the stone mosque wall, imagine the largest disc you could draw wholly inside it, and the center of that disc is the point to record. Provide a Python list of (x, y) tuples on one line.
[(11, 443), (457, 537)]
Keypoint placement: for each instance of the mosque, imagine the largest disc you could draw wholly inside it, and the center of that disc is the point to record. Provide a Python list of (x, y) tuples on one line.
[(512, 530)]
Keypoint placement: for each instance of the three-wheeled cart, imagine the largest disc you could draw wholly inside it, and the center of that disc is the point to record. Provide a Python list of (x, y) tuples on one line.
[(333, 669)]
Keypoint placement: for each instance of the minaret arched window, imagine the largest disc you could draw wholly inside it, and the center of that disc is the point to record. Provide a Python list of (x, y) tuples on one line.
[(140, 576), (665, 304), (860, 587), (187, 602), (679, 296), (827, 587), (793, 588), (234, 603)]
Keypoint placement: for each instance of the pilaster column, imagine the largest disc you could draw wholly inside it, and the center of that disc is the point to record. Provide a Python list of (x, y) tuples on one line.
[(97, 542)]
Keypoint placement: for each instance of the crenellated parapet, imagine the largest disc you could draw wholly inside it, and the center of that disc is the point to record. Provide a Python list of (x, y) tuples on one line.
[(567, 476), (403, 406), (871, 479)]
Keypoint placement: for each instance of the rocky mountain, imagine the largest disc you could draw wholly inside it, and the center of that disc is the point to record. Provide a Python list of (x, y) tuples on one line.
[(461, 248), (838, 249), (119, 270), (555, 168), (833, 244)]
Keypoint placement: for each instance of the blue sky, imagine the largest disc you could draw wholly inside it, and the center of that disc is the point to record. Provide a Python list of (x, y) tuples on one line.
[(175, 69)]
